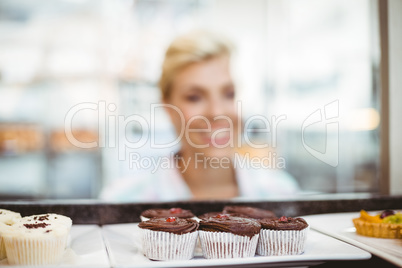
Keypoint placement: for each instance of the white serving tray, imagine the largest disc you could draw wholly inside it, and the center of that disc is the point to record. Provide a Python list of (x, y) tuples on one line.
[(123, 243), (86, 248), (340, 226)]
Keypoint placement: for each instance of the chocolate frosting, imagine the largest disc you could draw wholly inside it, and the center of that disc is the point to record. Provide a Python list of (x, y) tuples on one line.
[(178, 226), (231, 224), (213, 214), (161, 213), (284, 223), (208, 215), (250, 212)]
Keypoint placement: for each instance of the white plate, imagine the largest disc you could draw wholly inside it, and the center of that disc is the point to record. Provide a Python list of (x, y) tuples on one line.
[(340, 225), (86, 248), (123, 243)]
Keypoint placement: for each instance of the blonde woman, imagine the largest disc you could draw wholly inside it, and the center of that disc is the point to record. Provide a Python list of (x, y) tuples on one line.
[(199, 92)]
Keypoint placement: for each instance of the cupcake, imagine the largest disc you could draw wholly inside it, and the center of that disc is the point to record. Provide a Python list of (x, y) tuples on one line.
[(7, 218), (225, 236), (249, 212), (37, 240), (283, 236), (169, 238), (165, 213)]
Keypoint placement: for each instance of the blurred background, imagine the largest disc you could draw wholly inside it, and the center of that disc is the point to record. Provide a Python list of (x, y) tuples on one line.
[(295, 58)]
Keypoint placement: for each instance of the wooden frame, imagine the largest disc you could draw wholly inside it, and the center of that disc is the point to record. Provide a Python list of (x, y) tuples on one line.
[(384, 73)]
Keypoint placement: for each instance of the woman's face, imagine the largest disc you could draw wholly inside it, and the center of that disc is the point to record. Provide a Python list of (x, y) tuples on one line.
[(204, 94)]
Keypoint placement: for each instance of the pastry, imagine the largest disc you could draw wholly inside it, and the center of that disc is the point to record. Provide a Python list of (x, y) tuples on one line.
[(225, 236), (387, 224), (283, 236), (37, 239), (169, 238)]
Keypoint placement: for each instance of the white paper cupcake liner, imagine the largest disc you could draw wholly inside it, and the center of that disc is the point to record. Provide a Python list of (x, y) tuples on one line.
[(34, 251), (223, 245), (158, 245), (3, 227), (278, 243), (2, 249)]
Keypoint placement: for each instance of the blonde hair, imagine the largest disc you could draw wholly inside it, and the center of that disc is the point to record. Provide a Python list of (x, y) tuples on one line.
[(193, 47)]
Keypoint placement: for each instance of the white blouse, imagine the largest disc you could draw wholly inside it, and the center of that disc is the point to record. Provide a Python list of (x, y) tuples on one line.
[(167, 184)]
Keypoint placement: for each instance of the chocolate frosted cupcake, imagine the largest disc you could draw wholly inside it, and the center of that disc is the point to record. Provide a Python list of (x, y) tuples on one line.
[(225, 236), (249, 212), (7, 219), (283, 236), (37, 240), (169, 238), (164, 213)]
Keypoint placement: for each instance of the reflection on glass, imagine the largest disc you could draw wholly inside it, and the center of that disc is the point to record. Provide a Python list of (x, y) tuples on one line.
[(310, 67)]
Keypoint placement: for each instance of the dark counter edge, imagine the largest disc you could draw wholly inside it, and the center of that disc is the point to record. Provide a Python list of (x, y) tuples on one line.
[(98, 212)]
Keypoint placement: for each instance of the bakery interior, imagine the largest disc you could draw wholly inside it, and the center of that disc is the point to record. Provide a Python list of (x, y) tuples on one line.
[(295, 58)]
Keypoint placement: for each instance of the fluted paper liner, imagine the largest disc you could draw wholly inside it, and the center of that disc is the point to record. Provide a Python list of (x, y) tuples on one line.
[(34, 251), (2, 249), (278, 242), (223, 245), (3, 227), (157, 245)]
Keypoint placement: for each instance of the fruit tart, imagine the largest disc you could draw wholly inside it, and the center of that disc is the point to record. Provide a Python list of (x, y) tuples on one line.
[(387, 224)]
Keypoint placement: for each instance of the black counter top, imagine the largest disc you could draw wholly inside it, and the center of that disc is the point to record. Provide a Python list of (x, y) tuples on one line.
[(100, 212)]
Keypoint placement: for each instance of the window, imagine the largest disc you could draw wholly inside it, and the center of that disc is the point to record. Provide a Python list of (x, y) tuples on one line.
[(313, 65)]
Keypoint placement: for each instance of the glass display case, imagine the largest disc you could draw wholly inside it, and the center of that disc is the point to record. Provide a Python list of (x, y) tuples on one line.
[(319, 77)]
